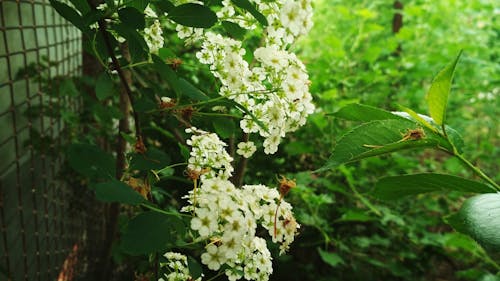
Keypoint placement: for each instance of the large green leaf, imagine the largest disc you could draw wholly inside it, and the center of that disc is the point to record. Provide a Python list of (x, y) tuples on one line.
[(69, 14), (189, 90), (117, 191), (330, 258), (479, 217), (153, 159), (149, 232), (247, 5), (91, 161), (132, 18), (363, 113), (375, 138), (235, 30), (193, 15), (390, 188), (103, 86), (437, 96)]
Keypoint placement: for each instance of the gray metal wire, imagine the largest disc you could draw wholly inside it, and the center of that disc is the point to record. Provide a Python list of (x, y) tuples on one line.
[(44, 225)]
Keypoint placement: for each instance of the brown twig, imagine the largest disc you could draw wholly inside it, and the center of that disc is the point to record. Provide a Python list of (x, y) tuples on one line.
[(242, 165)]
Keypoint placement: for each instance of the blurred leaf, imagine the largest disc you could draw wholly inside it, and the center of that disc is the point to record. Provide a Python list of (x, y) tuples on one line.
[(91, 161), (372, 139), (364, 113), (391, 188), (81, 5), (103, 86), (117, 191), (355, 216), (479, 218), (249, 6), (187, 89), (298, 147), (166, 53), (140, 5), (68, 88), (69, 14), (235, 30), (193, 15), (152, 159), (132, 18), (331, 259), (148, 232), (224, 127), (437, 96), (195, 268)]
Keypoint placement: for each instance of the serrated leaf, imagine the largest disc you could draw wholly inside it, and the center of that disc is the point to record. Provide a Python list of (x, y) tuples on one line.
[(396, 187), (248, 6), (132, 18), (167, 74), (117, 191), (189, 90), (103, 86), (331, 259), (91, 161), (479, 217), (437, 96), (363, 113), (147, 233), (375, 138), (419, 118), (193, 15)]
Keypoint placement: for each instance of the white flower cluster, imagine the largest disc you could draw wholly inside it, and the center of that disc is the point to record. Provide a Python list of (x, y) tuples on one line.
[(177, 266), (208, 156), (229, 216), (275, 89), (153, 36)]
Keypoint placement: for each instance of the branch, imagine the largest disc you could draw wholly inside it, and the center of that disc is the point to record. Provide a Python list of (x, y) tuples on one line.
[(242, 165)]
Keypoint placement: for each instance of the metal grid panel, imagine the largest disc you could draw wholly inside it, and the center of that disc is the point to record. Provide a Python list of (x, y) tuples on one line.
[(43, 235)]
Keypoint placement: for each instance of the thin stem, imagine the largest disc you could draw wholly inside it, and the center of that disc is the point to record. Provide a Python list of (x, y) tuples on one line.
[(217, 275), (363, 199), (123, 79), (135, 64), (153, 208), (477, 171)]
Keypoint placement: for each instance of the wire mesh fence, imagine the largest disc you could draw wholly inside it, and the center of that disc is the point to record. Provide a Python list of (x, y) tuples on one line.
[(45, 224)]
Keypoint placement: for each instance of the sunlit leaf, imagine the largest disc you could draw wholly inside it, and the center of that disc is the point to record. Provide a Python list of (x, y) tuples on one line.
[(391, 188), (437, 96)]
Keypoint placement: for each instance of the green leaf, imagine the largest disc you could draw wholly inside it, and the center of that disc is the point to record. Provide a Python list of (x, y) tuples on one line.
[(224, 127), (147, 233), (390, 188), (69, 14), (479, 217), (117, 191), (140, 5), (194, 267), (355, 216), (68, 88), (235, 30), (248, 6), (437, 96), (166, 53), (137, 45), (163, 5), (189, 90), (419, 119), (103, 86), (331, 259), (167, 74), (81, 5), (152, 159), (193, 15), (91, 161), (132, 18), (375, 138), (363, 113)]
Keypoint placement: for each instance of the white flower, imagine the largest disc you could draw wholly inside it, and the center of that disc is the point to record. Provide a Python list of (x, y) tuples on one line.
[(153, 36), (246, 149)]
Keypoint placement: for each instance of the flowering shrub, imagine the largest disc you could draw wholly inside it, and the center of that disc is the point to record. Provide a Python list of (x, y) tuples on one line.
[(265, 86)]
